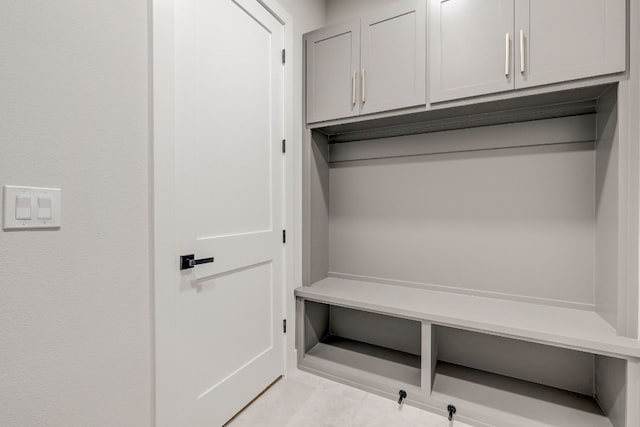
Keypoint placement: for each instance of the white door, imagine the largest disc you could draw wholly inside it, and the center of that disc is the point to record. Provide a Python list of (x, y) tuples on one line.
[(228, 205)]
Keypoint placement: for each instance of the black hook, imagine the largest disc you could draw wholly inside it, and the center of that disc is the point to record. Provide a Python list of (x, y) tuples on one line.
[(403, 395), (452, 410)]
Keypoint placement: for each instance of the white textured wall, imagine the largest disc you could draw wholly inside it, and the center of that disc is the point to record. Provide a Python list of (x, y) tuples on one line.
[(342, 10), (307, 15), (75, 334)]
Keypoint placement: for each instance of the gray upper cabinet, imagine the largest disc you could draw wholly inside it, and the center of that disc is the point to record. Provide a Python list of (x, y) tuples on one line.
[(568, 40), (377, 63), (471, 48), (368, 65), (333, 62), (393, 50)]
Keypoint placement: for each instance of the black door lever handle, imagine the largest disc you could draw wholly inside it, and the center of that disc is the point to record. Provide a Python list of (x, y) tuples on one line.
[(190, 261)]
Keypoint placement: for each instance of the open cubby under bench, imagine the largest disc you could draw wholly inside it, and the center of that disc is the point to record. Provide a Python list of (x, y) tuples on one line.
[(499, 362)]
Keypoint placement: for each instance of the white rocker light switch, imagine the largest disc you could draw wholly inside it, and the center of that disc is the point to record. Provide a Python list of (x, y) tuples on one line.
[(23, 207), (44, 207)]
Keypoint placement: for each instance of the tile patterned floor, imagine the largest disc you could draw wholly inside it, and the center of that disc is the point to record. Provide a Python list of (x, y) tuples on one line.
[(306, 400)]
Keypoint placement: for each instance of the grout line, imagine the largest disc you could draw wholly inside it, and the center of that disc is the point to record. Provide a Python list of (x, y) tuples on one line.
[(252, 400)]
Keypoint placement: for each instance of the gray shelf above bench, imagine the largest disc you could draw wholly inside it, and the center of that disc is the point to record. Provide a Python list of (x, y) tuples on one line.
[(570, 102)]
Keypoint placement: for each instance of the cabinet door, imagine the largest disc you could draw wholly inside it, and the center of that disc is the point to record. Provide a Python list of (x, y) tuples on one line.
[(568, 40), (393, 57), (471, 48), (333, 59)]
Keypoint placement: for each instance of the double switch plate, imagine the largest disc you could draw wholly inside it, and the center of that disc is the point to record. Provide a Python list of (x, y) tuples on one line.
[(31, 207)]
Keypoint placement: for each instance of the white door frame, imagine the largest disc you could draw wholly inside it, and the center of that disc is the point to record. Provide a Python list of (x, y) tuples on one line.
[(165, 260)]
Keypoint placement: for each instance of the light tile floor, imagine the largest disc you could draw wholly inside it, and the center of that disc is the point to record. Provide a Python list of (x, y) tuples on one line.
[(305, 400)]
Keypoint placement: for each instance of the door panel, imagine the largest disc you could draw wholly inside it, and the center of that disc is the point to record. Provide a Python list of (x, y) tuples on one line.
[(220, 297), (237, 200), (471, 48), (393, 57), (229, 202), (569, 39), (333, 59)]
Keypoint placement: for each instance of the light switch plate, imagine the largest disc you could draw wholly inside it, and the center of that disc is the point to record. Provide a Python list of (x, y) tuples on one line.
[(11, 194)]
